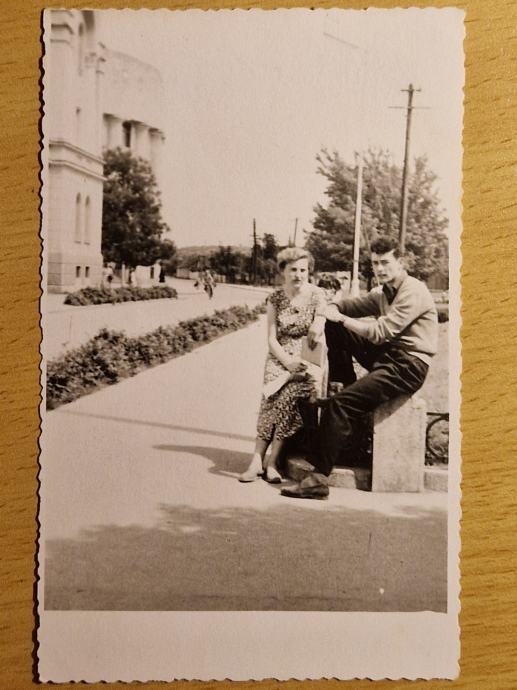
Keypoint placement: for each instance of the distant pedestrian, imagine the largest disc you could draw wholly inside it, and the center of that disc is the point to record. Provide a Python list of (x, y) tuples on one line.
[(208, 283), (107, 276)]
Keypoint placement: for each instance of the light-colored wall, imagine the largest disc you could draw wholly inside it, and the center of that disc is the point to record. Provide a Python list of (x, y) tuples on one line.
[(133, 93), (133, 90), (89, 93), (72, 105)]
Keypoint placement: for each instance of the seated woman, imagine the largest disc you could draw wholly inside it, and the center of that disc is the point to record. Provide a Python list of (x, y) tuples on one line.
[(293, 311)]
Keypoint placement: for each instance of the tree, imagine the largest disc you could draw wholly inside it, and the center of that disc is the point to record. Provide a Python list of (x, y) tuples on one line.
[(132, 225), (331, 240), (228, 262), (269, 246), (169, 257)]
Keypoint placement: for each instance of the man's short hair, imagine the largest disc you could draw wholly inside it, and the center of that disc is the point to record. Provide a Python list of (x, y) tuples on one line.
[(292, 254), (384, 245)]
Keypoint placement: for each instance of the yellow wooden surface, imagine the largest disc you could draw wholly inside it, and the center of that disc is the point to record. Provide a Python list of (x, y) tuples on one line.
[(489, 410)]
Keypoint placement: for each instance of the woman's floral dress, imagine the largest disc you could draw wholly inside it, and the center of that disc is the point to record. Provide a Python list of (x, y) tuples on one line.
[(279, 415)]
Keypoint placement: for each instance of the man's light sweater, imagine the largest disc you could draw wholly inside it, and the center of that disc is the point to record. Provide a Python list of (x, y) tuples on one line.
[(410, 321)]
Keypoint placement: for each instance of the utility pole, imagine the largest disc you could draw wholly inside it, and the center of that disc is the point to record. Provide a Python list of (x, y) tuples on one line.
[(295, 229), (354, 285), (405, 169), (254, 255), (404, 199)]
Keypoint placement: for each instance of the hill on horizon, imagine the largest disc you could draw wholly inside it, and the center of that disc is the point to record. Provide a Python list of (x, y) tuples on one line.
[(204, 249)]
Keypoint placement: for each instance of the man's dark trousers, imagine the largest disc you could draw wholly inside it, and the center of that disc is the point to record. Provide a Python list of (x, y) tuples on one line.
[(392, 372)]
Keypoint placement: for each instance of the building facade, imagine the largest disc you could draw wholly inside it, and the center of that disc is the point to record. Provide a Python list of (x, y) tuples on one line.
[(94, 99)]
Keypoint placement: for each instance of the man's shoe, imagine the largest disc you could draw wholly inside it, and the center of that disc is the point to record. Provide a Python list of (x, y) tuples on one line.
[(314, 486)]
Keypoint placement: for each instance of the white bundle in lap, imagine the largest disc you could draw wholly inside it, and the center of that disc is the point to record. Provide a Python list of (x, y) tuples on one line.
[(316, 363)]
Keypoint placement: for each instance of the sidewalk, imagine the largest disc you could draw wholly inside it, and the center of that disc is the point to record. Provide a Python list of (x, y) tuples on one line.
[(66, 326), (142, 510)]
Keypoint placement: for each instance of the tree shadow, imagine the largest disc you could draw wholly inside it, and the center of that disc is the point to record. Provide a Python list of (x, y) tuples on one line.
[(283, 558), (158, 425)]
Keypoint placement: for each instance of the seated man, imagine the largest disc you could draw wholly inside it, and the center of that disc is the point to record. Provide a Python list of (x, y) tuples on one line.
[(396, 347)]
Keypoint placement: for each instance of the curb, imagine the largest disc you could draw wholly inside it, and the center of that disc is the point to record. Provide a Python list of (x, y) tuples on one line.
[(360, 478)]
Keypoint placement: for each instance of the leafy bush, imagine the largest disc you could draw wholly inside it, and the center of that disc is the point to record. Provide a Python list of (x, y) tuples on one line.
[(112, 355), (93, 295)]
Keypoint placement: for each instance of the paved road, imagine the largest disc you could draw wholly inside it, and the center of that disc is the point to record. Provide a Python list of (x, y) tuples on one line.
[(142, 510), (66, 326)]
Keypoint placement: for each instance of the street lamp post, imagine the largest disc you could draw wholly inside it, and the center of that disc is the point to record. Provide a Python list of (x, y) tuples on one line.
[(354, 286)]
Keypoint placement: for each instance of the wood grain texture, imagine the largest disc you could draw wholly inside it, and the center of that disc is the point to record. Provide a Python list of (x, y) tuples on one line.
[(489, 337)]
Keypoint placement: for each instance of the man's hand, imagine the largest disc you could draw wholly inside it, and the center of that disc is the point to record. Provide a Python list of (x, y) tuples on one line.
[(332, 313), (315, 333)]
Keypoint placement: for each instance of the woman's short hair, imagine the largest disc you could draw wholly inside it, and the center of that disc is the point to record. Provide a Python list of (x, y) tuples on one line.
[(291, 254)]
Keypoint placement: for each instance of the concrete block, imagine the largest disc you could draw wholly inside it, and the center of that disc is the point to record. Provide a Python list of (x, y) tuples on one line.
[(399, 445), (351, 478), (436, 479)]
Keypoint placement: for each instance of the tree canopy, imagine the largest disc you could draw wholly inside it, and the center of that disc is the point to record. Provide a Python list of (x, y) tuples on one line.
[(331, 240), (236, 263), (132, 224)]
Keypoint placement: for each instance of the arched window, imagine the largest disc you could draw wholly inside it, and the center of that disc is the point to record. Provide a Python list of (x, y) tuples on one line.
[(78, 229), (87, 211), (80, 49)]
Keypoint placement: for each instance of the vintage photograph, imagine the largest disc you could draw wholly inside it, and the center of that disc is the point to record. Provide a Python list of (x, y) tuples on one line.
[(251, 231)]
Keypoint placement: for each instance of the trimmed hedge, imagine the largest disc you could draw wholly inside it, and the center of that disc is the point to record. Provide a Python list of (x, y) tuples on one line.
[(93, 295), (111, 355)]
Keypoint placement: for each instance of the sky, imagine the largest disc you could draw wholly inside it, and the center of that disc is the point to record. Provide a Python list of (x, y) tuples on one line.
[(251, 97)]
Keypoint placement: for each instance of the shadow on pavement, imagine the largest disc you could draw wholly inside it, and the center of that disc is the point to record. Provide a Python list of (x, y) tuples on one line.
[(226, 463), (159, 425), (282, 558)]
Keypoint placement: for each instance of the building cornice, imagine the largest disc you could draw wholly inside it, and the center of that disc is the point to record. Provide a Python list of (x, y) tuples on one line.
[(63, 163), (76, 149)]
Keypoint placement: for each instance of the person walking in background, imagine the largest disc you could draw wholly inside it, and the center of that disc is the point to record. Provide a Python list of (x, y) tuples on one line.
[(294, 311), (107, 275), (208, 283), (396, 347)]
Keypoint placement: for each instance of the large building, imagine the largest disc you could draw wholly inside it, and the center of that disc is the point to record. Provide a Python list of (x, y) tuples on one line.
[(94, 99)]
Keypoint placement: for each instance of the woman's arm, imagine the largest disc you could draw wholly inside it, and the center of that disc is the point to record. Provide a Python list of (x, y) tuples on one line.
[(290, 363), (317, 327)]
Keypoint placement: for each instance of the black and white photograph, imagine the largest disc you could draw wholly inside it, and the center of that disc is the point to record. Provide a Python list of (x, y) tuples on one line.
[(250, 444)]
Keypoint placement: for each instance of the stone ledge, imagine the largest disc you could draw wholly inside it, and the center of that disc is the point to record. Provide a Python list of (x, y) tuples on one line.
[(360, 478), (436, 479)]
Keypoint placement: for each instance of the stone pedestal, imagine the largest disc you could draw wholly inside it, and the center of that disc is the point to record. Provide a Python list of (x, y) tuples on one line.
[(399, 445)]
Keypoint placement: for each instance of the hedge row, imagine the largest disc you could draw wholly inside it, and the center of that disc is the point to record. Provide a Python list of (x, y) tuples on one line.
[(111, 356), (104, 295)]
